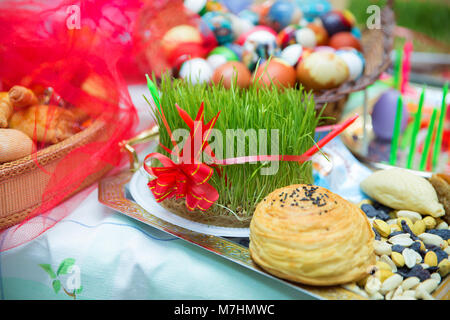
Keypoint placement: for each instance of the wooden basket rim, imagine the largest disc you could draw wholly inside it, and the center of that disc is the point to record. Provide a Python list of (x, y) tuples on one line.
[(350, 86), (53, 152)]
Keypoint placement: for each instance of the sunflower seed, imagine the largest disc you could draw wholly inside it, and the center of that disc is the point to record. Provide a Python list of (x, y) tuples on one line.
[(401, 239), (413, 216), (431, 239), (428, 285), (410, 282), (410, 257), (391, 283)]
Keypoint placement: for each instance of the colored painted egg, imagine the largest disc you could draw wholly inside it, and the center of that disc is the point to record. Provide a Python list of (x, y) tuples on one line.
[(356, 32), (324, 48), (344, 39), (230, 72), (215, 6), (221, 25), (236, 48), (239, 25), (322, 70), (313, 8), (335, 22), (197, 6), (236, 6), (355, 62), (283, 13), (262, 9), (259, 46), (196, 70), (249, 15), (292, 54), (257, 32), (286, 36), (306, 52), (276, 71), (383, 115), (179, 35), (221, 55), (306, 37), (321, 33), (349, 17)]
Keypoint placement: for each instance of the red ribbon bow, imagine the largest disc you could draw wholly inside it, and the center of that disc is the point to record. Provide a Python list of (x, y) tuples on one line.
[(188, 178)]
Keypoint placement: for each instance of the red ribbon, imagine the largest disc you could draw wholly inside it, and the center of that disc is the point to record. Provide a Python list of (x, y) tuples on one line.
[(187, 179)]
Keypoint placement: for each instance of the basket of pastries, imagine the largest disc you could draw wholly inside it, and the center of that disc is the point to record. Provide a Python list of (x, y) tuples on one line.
[(63, 111)]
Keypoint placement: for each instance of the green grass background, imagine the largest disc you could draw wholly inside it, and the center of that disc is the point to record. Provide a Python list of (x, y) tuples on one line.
[(430, 17)]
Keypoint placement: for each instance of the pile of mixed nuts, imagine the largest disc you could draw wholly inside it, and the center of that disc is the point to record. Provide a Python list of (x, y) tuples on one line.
[(412, 254)]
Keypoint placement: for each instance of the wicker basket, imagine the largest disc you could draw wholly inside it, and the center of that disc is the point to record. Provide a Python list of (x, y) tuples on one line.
[(377, 45), (22, 182)]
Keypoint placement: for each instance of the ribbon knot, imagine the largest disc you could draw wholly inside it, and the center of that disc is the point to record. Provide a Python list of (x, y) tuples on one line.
[(182, 180), (189, 178)]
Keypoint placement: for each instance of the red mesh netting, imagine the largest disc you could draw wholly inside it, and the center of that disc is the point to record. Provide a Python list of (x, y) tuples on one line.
[(166, 34), (67, 52)]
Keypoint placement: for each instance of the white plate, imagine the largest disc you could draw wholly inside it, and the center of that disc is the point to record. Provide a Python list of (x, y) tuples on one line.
[(144, 197)]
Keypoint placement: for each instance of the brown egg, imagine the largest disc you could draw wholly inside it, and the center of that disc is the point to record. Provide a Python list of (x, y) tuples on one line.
[(344, 39), (228, 71), (321, 33), (281, 74), (322, 70), (14, 144)]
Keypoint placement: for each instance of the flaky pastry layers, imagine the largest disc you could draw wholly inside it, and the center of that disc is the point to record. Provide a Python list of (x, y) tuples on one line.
[(310, 235)]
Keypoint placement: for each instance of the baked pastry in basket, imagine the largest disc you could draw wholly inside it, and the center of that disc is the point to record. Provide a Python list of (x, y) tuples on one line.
[(308, 234)]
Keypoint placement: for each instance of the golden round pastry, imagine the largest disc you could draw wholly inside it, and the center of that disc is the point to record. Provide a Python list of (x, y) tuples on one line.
[(310, 235)]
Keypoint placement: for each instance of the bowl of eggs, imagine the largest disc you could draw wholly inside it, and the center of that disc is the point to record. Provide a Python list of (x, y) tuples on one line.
[(291, 43)]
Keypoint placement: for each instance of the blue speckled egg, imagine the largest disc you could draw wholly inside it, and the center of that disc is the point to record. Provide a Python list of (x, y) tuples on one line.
[(312, 9), (283, 13), (249, 15)]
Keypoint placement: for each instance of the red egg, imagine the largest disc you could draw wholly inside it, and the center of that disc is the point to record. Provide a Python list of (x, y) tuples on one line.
[(231, 70), (277, 71), (286, 36), (344, 39), (243, 37)]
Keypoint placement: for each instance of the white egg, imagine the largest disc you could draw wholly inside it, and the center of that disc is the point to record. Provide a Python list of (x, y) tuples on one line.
[(354, 61), (239, 25), (262, 37), (195, 5), (306, 37), (196, 70), (216, 60), (292, 53)]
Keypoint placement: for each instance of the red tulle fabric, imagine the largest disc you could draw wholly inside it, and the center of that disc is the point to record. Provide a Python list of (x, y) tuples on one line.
[(66, 45)]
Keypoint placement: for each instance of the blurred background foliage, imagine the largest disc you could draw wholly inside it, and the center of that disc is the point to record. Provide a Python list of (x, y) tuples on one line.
[(429, 17)]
